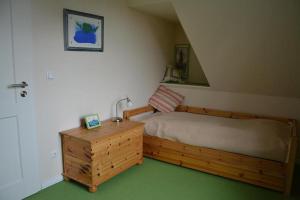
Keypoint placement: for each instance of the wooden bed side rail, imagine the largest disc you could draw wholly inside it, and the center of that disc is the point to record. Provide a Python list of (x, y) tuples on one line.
[(129, 113), (208, 111), (257, 171), (230, 114)]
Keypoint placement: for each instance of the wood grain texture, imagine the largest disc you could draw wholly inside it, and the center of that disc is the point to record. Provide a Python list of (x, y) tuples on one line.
[(93, 156), (257, 171), (230, 114), (208, 111), (108, 129), (262, 172), (129, 113)]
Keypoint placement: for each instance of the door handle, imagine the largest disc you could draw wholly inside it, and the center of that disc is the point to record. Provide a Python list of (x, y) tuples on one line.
[(18, 85)]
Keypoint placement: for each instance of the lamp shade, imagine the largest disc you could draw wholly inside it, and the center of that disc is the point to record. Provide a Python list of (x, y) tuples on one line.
[(129, 104)]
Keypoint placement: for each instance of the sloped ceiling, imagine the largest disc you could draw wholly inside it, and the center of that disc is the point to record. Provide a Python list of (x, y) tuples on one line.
[(245, 46), (159, 8)]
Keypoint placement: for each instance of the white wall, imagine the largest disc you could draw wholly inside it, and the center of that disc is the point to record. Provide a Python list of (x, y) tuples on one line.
[(245, 46), (159, 8), (249, 103), (136, 50)]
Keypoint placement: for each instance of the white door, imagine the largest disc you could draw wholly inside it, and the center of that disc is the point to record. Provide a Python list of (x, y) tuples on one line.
[(18, 143)]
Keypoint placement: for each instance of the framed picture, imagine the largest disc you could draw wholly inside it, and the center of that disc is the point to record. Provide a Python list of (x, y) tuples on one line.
[(182, 53), (92, 121), (175, 73), (83, 31)]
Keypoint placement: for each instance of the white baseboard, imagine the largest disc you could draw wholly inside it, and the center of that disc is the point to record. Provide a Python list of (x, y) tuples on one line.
[(52, 181)]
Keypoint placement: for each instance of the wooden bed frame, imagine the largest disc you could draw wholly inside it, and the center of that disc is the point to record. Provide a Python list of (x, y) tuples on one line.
[(261, 172)]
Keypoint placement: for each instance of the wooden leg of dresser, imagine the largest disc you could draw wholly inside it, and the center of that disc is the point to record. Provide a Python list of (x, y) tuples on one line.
[(66, 178), (140, 161), (93, 189)]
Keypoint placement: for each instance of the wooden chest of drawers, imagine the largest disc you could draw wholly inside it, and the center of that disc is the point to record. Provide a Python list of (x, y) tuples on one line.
[(93, 156)]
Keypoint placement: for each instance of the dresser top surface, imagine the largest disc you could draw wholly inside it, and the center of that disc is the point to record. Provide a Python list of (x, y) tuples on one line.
[(107, 129)]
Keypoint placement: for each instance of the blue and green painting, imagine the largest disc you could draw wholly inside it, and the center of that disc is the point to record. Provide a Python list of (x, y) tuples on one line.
[(85, 33)]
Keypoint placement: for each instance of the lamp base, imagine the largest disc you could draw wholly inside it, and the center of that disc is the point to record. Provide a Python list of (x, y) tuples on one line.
[(116, 119)]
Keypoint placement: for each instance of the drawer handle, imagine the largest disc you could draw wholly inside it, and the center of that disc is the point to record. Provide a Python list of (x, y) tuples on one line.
[(84, 168), (69, 150), (82, 171), (88, 155)]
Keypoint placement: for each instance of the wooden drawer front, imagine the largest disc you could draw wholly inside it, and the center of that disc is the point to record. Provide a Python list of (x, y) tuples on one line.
[(77, 148), (78, 169), (118, 168), (115, 142), (117, 152)]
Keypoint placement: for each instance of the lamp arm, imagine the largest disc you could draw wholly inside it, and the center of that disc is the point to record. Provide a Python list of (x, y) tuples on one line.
[(118, 104)]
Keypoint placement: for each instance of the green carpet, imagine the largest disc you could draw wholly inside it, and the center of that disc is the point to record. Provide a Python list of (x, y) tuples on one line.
[(162, 181)]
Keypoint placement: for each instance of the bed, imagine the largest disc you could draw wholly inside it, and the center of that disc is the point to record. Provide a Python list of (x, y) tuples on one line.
[(255, 149)]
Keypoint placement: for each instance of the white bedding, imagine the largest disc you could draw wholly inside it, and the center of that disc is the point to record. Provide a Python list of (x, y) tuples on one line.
[(262, 138)]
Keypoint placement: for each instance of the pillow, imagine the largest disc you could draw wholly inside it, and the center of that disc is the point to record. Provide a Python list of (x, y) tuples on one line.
[(165, 100)]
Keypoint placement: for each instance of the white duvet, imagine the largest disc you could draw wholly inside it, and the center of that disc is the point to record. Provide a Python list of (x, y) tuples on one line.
[(262, 138)]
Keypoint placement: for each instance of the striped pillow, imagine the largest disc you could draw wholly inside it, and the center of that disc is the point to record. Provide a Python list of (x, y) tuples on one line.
[(165, 100)]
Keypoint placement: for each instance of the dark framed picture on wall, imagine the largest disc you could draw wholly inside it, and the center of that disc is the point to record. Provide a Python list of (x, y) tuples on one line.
[(83, 31), (182, 53)]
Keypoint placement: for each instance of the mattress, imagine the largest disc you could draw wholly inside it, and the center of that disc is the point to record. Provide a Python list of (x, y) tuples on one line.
[(263, 138)]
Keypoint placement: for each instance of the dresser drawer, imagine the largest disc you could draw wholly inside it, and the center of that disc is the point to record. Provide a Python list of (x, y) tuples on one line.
[(93, 156), (77, 148), (120, 149), (77, 169), (116, 140)]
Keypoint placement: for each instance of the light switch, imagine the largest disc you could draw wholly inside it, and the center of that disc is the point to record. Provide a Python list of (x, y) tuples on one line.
[(50, 76)]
